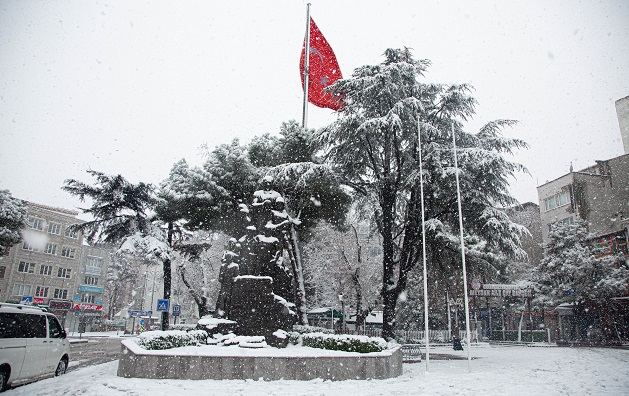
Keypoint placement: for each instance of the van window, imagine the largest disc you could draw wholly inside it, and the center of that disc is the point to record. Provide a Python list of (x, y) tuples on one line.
[(54, 328), (9, 325), (19, 325)]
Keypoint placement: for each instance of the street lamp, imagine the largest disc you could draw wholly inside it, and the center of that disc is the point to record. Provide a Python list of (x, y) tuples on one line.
[(342, 311)]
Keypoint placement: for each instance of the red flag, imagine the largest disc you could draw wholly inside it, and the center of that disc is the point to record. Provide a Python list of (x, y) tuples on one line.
[(324, 70)]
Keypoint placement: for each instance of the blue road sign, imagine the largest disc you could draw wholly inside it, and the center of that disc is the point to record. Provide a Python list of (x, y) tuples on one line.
[(176, 309), (27, 300), (162, 305), (134, 313), (141, 322), (149, 313)]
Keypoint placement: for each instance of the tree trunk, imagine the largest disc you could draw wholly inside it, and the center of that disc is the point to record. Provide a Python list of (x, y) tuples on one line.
[(389, 291), (167, 279), (199, 298), (298, 274)]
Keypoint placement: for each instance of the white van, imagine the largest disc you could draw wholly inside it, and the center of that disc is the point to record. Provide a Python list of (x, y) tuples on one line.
[(33, 345)]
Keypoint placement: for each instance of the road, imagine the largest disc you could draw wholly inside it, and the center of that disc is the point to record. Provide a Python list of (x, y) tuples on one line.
[(95, 351)]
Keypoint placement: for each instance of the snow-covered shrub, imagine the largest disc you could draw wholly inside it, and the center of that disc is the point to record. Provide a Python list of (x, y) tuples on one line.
[(344, 342), (301, 329), (294, 337), (157, 340)]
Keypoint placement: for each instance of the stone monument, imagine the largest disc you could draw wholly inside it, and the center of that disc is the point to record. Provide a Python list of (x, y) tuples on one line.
[(257, 287)]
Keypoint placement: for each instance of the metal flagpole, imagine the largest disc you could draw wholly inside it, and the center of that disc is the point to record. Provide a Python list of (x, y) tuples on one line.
[(467, 306), (421, 190), (304, 119)]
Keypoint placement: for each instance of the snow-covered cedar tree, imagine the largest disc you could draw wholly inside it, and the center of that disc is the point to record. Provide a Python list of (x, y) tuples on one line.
[(122, 216), (12, 220), (343, 262), (374, 145), (575, 269)]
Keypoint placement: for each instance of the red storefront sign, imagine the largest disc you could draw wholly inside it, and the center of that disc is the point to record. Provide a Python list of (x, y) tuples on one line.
[(87, 307)]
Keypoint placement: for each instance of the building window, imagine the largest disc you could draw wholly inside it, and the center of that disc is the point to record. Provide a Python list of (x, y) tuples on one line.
[(29, 247), (41, 291), (51, 248), (35, 223), (88, 298), (64, 272), (70, 233), (557, 200), (67, 252), (3, 270), (45, 269), (93, 261), (54, 228), (26, 267), (61, 293), (91, 280), (20, 289), (562, 222)]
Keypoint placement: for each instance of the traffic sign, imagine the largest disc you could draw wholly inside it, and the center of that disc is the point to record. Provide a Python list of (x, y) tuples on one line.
[(27, 300), (162, 305), (176, 309), (134, 313), (150, 313), (141, 322)]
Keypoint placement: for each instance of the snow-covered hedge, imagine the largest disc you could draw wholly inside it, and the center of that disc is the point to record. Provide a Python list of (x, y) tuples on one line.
[(301, 329), (154, 340), (344, 342)]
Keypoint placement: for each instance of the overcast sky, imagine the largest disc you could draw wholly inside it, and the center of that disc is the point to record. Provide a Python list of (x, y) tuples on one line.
[(132, 87)]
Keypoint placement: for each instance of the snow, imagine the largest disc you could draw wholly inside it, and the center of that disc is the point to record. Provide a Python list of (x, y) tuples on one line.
[(494, 371)]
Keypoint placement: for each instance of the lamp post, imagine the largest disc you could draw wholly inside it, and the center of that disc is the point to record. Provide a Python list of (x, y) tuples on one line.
[(342, 312)]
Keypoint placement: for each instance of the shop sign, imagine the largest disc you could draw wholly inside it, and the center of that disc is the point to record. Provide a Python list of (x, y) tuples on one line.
[(87, 307), (90, 289), (495, 290)]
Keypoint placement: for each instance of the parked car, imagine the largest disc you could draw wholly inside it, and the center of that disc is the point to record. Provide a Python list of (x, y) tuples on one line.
[(33, 345)]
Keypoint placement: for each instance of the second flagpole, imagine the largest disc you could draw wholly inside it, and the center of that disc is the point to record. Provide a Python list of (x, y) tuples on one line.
[(304, 119)]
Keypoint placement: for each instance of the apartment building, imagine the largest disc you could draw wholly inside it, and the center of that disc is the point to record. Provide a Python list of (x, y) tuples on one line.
[(52, 263), (598, 194)]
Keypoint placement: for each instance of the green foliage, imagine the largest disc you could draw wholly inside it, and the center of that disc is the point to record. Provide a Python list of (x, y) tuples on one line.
[(347, 343), (159, 340), (119, 207)]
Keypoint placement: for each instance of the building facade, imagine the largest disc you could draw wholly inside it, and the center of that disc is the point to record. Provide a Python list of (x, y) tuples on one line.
[(53, 264), (599, 195)]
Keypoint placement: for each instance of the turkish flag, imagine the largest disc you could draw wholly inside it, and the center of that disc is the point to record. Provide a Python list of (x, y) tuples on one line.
[(323, 70)]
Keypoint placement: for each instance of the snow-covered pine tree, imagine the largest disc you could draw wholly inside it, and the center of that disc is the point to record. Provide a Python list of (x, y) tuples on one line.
[(12, 220), (373, 144), (575, 270)]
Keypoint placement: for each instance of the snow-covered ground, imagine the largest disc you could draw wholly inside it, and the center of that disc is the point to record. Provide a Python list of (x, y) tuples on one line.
[(494, 371)]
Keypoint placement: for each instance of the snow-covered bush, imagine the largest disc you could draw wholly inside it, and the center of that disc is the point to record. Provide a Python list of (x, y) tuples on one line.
[(157, 340), (344, 342), (294, 337), (301, 329)]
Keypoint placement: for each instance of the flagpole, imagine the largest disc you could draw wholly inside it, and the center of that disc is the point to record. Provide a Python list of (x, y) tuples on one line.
[(421, 190), (467, 305), (304, 118)]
